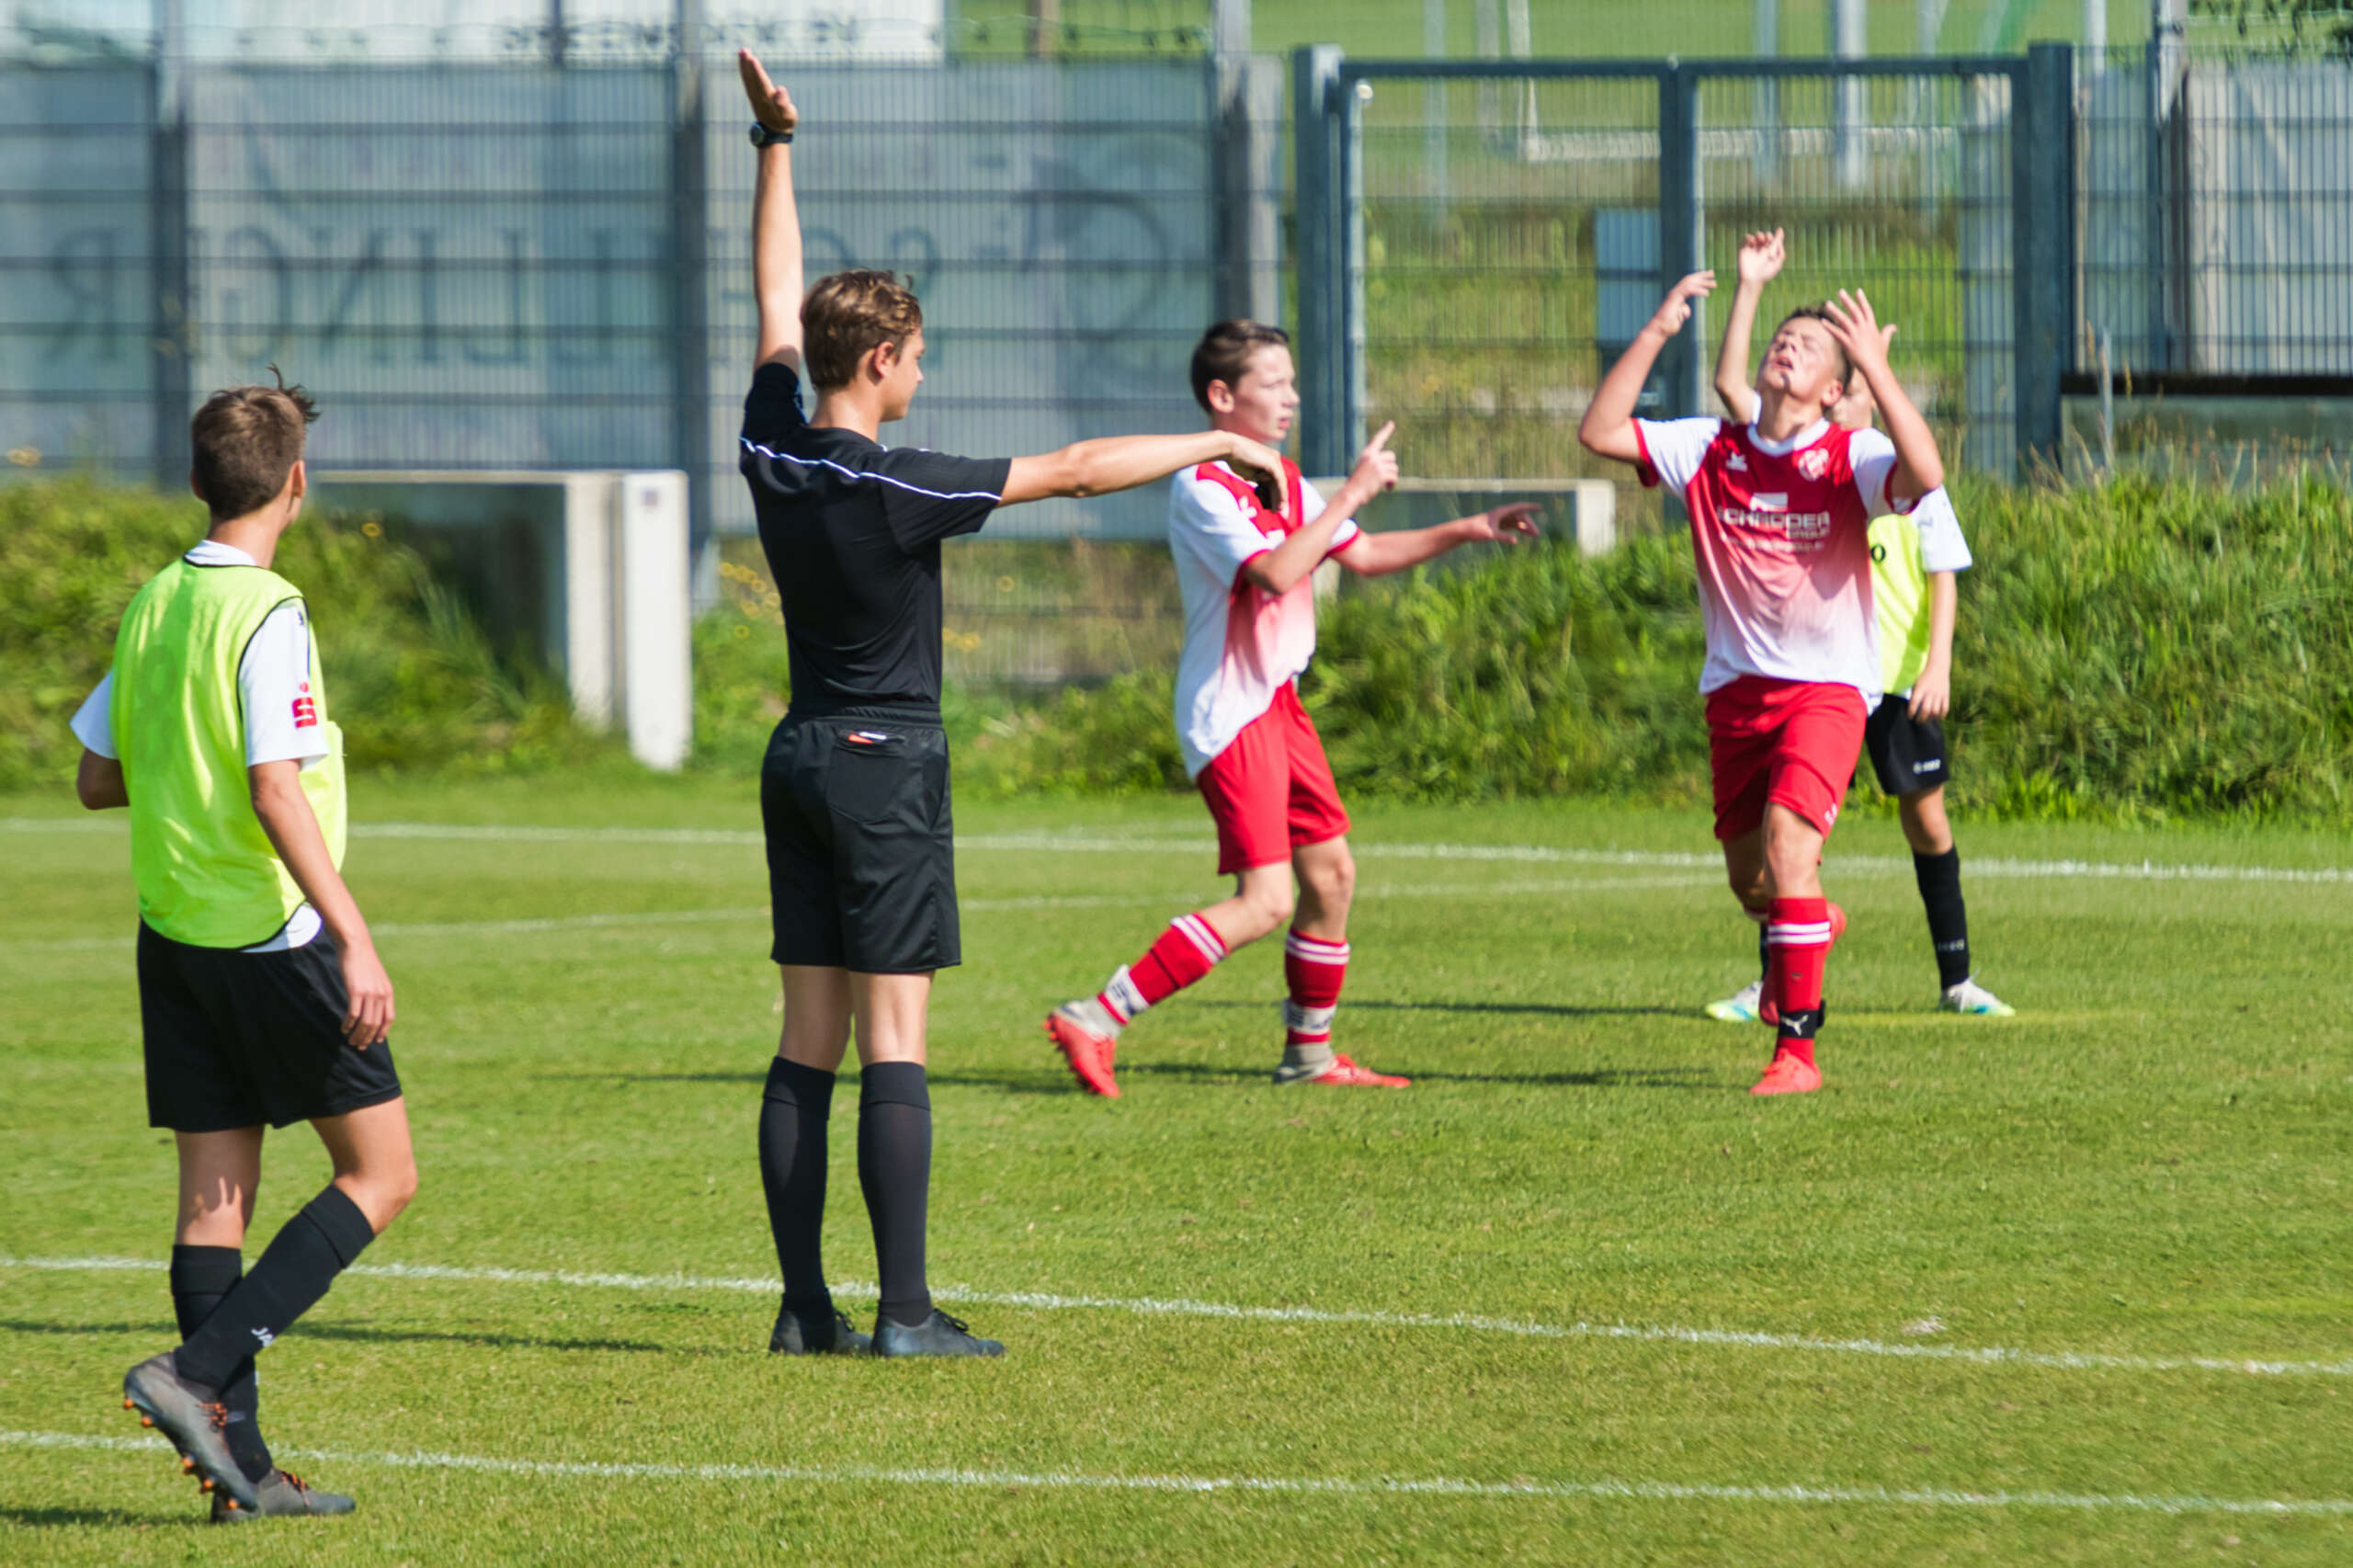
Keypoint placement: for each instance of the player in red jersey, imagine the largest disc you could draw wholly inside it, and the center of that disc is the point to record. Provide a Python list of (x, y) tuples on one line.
[(1249, 630), (1780, 519)]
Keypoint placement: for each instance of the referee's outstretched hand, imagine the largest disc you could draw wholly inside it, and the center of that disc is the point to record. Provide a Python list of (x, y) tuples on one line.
[(1263, 467), (370, 1017), (771, 104)]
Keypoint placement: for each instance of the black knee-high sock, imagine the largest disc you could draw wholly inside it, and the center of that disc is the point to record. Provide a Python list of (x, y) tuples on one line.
[(1764, 954), (894, 1170), (794, 1108), (300, 1262), (1939, 879), (200, 1277)]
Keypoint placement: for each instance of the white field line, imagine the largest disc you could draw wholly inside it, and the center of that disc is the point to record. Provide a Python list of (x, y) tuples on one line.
[(625, 920), (1736, 1339), (1368, 849), (1342, 1486)]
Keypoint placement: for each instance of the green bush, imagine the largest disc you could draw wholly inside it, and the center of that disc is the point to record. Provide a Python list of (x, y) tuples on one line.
[(409, 675), (2140, 650)]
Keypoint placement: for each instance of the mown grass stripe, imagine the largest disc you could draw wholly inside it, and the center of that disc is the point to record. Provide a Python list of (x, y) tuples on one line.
[(1034, 1301), (1344, 1487)]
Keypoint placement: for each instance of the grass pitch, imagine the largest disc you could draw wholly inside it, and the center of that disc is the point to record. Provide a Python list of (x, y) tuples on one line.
[(2069, 1288)]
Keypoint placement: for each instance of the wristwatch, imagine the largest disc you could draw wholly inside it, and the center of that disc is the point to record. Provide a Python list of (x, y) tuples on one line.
[(764, 137)]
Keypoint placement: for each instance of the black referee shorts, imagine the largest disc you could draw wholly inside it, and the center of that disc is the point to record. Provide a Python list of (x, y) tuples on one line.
[(1907, 753), (861, 845), (235, 1039)]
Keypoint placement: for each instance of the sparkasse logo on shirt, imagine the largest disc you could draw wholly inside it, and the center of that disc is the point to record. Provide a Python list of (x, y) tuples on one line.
[(306, 710)]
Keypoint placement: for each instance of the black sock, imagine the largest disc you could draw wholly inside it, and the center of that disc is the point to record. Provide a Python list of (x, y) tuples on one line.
[(793, 1111), (300, 1262), (1764, 955), (894, 1170), (1939, 879), (200, 1277)]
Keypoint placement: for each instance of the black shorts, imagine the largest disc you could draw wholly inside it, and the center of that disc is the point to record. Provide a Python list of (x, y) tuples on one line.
[(861, 845), (1907, 753), (235, 1039)]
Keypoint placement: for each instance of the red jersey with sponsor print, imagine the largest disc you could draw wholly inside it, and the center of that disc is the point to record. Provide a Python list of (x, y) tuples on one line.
[(1781, 532)]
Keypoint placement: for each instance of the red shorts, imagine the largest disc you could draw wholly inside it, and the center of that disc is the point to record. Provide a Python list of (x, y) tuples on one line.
[(1789, 742), (1270, 791)]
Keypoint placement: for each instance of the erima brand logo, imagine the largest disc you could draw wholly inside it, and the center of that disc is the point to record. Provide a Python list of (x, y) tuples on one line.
[(1737, 463), (264, 1336)]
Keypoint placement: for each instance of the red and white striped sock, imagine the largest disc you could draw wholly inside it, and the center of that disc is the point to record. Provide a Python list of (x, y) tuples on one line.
[(1799, 934), (1314, 969), (1185, 952)]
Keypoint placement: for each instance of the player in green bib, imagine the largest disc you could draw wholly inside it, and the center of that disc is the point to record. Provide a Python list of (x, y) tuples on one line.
[(1914, 598), (261, 998)]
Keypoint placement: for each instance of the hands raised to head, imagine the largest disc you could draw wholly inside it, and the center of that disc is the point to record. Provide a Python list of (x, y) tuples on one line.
[(771, 104), (1675, 308), (1761, 255), (1857, 328)]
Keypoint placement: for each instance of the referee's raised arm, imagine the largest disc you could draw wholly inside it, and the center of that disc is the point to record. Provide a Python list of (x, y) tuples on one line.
[(776, 218)]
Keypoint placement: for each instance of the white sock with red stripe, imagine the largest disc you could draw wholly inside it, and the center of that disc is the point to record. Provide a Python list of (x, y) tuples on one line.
[(1315, 969), (1185, 952)]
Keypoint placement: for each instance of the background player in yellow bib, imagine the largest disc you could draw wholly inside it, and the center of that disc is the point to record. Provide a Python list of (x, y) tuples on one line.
[(260, 995), (1914, 601)]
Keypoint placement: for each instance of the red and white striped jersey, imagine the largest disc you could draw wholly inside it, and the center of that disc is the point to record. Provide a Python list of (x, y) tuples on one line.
[(1782, 531)]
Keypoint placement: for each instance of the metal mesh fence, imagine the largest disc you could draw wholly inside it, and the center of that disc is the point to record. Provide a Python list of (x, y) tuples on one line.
[(1512, 244)]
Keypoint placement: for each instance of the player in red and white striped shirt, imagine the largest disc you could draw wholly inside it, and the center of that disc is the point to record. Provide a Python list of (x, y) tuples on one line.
[(1781, 520), (1249, 630)]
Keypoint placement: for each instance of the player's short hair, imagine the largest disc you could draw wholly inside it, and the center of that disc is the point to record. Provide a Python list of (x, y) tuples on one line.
[(1822, 314), (1223, 354), (244, 441), (849, 315)]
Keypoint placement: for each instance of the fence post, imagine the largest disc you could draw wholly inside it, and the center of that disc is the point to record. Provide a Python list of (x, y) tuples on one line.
[(172, 335), (1353, 336), (2042, 265), (1246, 98), (1679, 234), (1320, 220), (690, 317)]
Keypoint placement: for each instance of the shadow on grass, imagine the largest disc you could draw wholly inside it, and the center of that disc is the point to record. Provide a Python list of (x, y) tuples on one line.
[(361, 1332), (1053, 1080), (109, 1519)]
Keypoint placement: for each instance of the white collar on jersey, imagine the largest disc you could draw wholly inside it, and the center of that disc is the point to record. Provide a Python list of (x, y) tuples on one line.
[(212, 552), (1805, 437)]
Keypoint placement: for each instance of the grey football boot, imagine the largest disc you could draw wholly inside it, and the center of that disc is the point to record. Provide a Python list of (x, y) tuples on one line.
[(283, 1494), (195, 1420), (937, 1335)]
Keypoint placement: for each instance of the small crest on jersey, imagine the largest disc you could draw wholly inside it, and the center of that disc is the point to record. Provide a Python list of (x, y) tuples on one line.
[(1813, 462)]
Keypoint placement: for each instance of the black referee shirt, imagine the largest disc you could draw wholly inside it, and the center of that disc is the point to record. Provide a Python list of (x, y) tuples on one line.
[(852, 532)]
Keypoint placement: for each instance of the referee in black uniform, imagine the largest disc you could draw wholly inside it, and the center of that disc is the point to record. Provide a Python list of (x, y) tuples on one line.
[(854, 791)]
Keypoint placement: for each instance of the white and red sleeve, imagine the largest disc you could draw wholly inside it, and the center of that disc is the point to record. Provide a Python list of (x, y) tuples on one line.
[(279, 688), (1672, 450), (1872, 456), (1207, 525), (1311, 507)]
